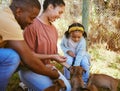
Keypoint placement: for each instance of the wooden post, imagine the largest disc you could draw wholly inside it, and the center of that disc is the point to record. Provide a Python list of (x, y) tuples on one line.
[(85, 14), (0, 1)]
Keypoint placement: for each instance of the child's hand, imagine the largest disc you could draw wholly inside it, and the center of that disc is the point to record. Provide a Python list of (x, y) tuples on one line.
[(70, 53)]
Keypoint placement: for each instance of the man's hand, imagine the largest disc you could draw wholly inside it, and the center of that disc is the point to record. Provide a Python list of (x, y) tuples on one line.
[(56, 74), (70, 53), (54, 70)]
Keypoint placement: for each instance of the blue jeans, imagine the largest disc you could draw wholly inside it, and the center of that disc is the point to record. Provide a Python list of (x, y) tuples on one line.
[(9, 61), (38, 82), (85, 63)]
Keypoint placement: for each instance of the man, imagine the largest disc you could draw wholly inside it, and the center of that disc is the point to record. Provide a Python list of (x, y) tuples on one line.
[(12, 45)]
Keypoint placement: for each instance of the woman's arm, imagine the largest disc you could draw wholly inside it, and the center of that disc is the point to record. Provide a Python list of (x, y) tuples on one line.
[(55, 57)]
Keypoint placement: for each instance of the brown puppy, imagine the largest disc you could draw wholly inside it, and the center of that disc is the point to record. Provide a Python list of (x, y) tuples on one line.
[(104, 81), (58, 85), (76, 78)]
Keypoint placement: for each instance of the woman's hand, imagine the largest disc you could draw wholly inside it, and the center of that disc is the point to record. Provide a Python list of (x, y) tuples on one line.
[(59, 58), (70, 53)]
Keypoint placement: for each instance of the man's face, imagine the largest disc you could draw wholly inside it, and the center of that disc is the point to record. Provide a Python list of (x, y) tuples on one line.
[(26, 17)]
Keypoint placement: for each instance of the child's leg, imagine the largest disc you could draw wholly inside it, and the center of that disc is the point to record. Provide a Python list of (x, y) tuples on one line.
[(86, 65), (66, 71)]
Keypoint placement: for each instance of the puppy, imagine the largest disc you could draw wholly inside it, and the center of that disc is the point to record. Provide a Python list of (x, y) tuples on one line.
[(76, 77), (104, 81), (59, 85)]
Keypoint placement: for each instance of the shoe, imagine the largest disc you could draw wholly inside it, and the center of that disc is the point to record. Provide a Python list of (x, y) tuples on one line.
[(23, 86)]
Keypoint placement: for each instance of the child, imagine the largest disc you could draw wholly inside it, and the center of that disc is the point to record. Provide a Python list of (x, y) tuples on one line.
[(74, 47)]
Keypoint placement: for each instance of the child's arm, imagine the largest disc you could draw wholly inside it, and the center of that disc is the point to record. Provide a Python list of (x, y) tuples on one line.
[(69, 52), (81, 51), (64, 45)]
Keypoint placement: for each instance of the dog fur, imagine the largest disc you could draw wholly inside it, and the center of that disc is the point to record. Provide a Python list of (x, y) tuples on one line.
[(76, 78), (59, 85), (104, 81), (91, 88)]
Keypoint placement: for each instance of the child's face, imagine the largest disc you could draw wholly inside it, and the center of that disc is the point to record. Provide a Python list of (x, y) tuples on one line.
[(76, 35)]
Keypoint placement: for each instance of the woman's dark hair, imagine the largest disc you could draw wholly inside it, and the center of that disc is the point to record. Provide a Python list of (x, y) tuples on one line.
[(67, 34), (25, 4), (53, 2)]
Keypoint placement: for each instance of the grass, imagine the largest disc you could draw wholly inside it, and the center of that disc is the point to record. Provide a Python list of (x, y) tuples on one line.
[(104, 61), (14, 83)]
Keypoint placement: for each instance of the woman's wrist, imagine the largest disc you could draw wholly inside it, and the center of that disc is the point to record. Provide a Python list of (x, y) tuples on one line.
[(50, 57)]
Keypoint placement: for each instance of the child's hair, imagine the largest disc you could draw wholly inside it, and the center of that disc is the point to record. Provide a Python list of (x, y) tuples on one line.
[(53, 2), (79, 26)]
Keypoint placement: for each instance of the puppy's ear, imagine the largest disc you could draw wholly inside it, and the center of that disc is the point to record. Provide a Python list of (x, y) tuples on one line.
[(71, 69), (83, 69)]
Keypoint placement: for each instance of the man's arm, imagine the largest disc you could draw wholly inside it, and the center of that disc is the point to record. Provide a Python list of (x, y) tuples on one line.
[(30, 60)]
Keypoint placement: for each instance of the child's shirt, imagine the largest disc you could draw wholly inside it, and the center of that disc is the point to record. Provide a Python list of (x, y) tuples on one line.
[(72, 45)]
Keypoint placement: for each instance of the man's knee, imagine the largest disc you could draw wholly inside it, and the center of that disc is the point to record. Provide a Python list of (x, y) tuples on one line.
[(9, 57), (14, 57)]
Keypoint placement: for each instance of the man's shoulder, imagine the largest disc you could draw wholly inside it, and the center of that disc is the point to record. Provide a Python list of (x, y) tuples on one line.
[(9, 28), (7, 17), (6, 13), (8, 20)]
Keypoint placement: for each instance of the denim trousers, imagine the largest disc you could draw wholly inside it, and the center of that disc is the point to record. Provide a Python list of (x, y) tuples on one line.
[(84, 63), (9, 61), (37, 82)]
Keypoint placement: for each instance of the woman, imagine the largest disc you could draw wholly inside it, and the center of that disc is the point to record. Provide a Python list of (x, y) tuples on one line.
[(41, 37)]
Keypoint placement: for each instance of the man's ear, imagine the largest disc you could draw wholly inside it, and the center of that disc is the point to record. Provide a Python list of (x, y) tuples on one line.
[(18, 12)]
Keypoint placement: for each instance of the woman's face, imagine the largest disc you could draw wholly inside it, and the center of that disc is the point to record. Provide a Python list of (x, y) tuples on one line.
[(76, 35), (55, 12)]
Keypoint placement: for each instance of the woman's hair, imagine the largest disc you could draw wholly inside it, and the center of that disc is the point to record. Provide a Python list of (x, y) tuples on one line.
[(67, 33), (25, 4), (53, 2)]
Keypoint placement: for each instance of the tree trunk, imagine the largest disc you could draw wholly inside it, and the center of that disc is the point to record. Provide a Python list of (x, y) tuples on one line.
[(85, 15)]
